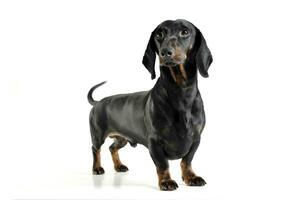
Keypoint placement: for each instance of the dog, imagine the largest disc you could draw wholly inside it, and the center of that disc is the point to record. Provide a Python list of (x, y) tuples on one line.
[(169, 118)]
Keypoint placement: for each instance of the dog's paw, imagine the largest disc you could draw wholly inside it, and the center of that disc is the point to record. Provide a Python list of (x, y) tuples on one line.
[(195, 181), (98, 171), (168, 185), (121, 168)]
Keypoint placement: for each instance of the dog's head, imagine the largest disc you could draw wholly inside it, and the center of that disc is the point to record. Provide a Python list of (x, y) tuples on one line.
[(176, 42)]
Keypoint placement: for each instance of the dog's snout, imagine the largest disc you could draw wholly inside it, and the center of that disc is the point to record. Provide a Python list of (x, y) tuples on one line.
[(167, 52)]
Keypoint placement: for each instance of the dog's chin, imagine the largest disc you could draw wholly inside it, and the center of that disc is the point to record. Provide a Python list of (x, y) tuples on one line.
[(171, 64)]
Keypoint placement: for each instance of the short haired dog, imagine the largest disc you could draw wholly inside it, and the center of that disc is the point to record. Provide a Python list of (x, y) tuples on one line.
[(169, 118)]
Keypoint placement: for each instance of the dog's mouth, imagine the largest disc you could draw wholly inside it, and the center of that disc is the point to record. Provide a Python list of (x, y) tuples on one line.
[(171, 63)]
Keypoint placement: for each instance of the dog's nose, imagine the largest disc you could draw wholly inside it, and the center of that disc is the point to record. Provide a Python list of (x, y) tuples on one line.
[(166, 52)]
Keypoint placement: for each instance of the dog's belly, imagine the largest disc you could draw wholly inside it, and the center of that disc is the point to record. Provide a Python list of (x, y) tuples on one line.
[(125, 115)]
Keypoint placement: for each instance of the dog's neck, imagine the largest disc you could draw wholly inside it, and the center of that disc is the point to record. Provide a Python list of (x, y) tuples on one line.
[(180, 76), (177, 85)]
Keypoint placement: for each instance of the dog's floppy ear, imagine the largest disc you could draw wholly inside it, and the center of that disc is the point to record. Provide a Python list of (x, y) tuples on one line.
[(203, 57), (149, 57)]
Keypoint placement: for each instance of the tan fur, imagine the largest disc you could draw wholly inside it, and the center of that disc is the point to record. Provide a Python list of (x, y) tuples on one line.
[(163, 175), (172, 74), (187, 172), (115, 158), (179, 78), (96, 163), (183, 72)]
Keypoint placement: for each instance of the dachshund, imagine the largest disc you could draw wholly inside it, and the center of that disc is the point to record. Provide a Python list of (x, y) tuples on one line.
[(169, 118)]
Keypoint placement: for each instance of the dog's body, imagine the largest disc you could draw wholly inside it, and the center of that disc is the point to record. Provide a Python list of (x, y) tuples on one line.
[(137, 116), (168, 119)]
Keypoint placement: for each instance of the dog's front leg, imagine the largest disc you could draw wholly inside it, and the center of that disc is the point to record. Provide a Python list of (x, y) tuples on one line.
[(164, 180), (188, 175)]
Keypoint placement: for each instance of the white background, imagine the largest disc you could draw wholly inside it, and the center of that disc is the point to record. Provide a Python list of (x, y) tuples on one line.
[(52, 52)]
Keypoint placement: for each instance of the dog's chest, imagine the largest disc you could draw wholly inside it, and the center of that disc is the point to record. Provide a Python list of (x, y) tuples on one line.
[(176, 121), (180, 118), (176, 141), (178, 132)]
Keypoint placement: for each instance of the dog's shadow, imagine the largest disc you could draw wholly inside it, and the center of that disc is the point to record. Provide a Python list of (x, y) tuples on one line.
[(119, 180)]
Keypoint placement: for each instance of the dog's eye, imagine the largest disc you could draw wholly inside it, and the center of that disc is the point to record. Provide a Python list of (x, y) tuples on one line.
[(159, 35), (184, 33)]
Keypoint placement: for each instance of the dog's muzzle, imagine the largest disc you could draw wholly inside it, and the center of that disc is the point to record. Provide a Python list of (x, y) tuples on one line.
[(170, 57)]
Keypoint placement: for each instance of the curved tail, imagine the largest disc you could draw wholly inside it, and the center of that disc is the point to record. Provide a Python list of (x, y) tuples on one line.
[(90, 98)]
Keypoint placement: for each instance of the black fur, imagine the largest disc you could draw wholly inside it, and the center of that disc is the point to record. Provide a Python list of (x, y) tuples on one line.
[(168, 119)]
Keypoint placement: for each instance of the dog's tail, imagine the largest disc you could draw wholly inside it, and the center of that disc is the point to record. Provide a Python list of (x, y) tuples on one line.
[(90, 98)]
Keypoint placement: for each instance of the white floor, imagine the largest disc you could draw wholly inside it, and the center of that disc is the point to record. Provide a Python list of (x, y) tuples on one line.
[(61, 177), (109, 186), (140, 182)]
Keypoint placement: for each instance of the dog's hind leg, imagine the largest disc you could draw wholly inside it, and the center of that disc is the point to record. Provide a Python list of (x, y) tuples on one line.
[(98, 137), (118, 143), (97, 169)]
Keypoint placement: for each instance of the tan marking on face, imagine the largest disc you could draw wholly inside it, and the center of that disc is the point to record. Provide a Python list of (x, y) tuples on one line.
[(179, 55), (161, 60), (179, 77)]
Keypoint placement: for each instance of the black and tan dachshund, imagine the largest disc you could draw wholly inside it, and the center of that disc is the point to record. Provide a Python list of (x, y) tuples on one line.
[(168, 119)]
